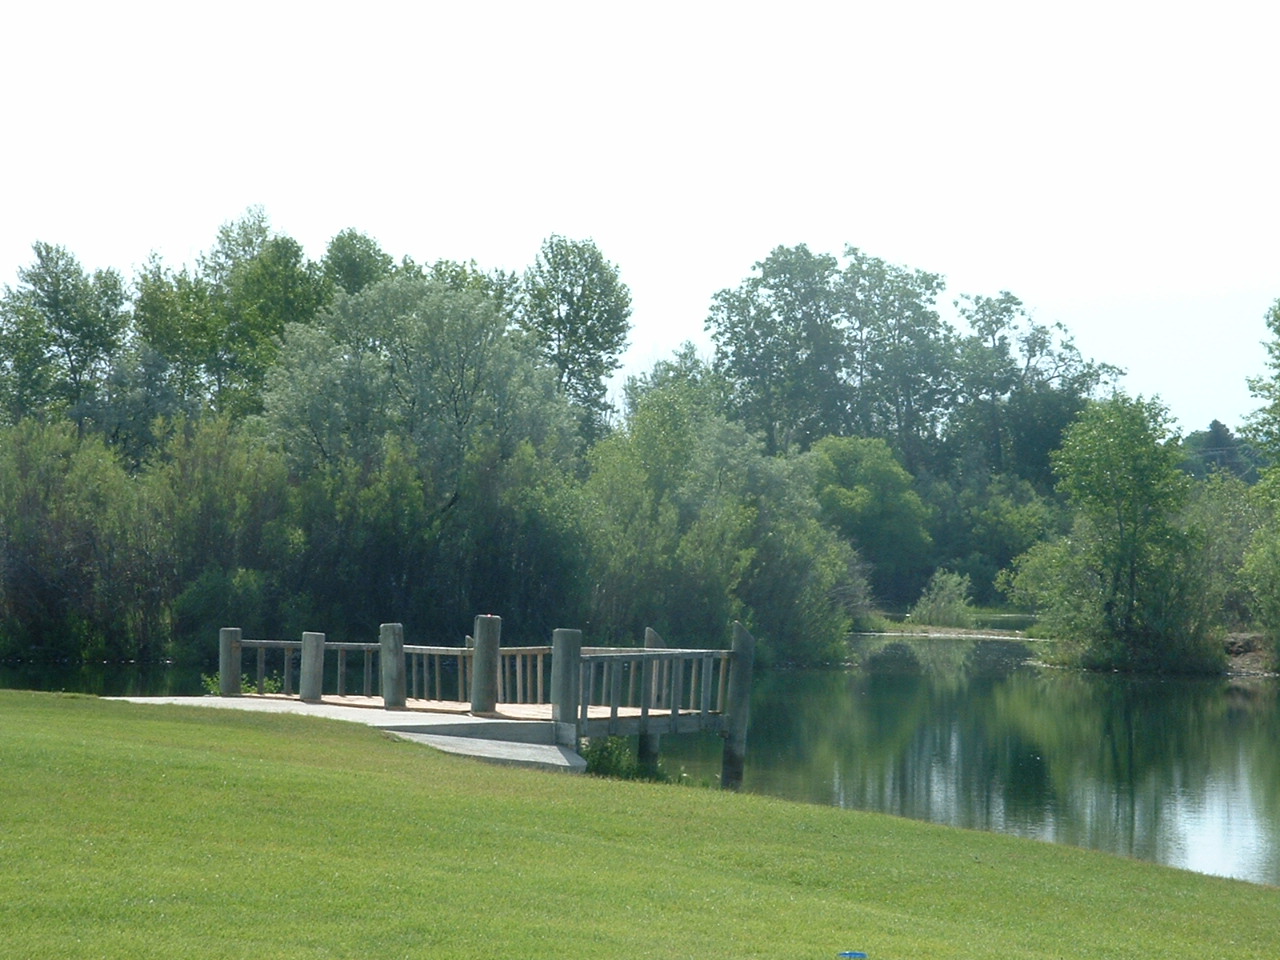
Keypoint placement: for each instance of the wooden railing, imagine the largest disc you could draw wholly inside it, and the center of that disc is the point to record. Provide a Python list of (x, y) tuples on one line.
[(677, 682), (614, 677)]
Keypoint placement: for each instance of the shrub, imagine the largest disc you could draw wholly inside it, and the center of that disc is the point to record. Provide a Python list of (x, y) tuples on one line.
[(945, 601)]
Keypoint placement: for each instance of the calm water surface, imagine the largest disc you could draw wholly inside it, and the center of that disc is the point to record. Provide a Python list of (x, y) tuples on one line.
[(966, 733), (109, 679)]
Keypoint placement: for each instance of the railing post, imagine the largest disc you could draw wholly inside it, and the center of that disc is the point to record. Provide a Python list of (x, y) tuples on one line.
[(229, 662), (391, 662), (566, 657), (311, 673), (484, 665), (738, 708), (650, 743)]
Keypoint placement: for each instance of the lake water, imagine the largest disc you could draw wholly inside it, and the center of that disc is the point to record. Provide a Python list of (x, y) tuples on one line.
[(967, 733), (109, 679)]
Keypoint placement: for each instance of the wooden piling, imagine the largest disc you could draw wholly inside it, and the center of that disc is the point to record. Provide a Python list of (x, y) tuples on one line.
[(650, 743), (311, 673), (484, 666), (229, 662), (566, 660), (738, 708), (391, 661)]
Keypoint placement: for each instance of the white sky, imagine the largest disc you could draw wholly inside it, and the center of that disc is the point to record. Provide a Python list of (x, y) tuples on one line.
[(1113, 164)]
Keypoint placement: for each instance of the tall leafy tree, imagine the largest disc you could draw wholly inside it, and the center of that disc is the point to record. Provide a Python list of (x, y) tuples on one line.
[(219, 326), (780, 340), (988, 372), (901, 354), (412, 419), (1127, 580), (237, 242), (687, 371), (174, 314), (1020, 384), (577, 311), (691, 525), (81, 568), (812, 348), (1263, 427), (354, 260), (1218, 450), (981, 522), (255, 301), (867, 496), (59, 331)]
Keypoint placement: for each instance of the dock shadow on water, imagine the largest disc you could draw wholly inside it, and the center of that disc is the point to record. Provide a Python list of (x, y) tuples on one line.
[(973, 733)]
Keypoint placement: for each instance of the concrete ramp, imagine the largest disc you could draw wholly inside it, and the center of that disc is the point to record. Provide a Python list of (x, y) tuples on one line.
[(541, 756)]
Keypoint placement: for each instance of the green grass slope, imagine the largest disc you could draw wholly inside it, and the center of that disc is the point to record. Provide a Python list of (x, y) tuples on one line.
[(142, 831)]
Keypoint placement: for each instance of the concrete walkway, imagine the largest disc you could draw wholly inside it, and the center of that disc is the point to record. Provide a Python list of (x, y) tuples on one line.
[(526, 743)]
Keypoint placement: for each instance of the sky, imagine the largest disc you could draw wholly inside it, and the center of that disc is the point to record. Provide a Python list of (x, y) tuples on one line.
[(1113, 164)]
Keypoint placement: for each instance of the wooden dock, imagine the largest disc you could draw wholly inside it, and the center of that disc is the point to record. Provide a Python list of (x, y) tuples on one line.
[(557, 694)]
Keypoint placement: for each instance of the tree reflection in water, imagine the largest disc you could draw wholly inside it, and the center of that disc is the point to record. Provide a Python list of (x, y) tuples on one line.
[(969, 733)]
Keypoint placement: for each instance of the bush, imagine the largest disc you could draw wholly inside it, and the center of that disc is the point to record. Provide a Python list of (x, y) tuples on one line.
[(613, 757), (944, 602)]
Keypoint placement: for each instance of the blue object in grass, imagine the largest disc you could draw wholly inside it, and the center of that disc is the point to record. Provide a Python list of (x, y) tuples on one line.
[(852, 953)]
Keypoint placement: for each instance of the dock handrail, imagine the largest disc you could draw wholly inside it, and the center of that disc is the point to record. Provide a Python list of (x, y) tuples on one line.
[(434, 672)]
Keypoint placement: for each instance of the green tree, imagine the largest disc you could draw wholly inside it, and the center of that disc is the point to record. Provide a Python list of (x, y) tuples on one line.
[(219, 327), (988, 372), (980, 522), (139, 404), (79, 559), (1261, 566), (811, 348), (867, 496), (780, 341), (577, 311), (227, 535), (692, 525), (1229, 519), (59, 331), (686, 371), (1263, 427), (669, 544), (1217, 450), (174, 315), (1020, 384), (432, 454), (902, 355), (500, 287), (420, 358), (255, 301), (1127, 581), (354, 260)]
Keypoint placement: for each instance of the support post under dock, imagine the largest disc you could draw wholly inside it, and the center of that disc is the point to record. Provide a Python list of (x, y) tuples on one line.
[(650, 744)]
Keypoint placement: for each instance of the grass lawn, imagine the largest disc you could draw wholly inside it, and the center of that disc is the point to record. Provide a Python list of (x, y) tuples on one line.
[(144, 831)]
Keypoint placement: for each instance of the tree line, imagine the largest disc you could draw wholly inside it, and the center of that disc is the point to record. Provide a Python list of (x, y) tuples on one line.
[(284, 444)]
